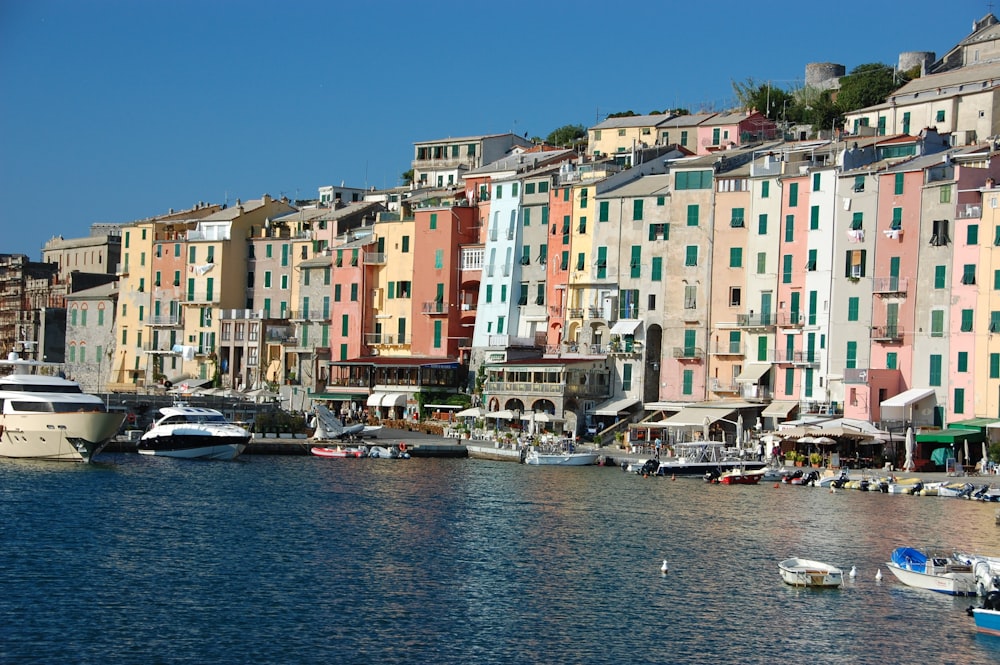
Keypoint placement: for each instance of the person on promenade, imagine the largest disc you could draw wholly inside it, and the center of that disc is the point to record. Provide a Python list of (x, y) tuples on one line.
[(658, 444)]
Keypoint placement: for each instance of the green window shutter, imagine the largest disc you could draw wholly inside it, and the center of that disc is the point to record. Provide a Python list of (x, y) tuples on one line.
[(897, 219), (545, 216), (637, 210), (937, 323), (489, 293), (959, 400), (653, 231), (765, 189), (687, 382), (816, 180), (690, 339), (963, 361), (786, 269), (737, 219), (972, 234), (852, 355), (967, 318), (995, 365), (789, 380), (852, 308), (762, 224), (898, 185), (581, 260), (812, 308), (811, 261), (602, 211), (657, 269), (891, 360), (345, 325), (692, 215), (390, 292), (808, 380), (762, 348), (814, 218), (626, 377), (439, 258), (761, 263), (437, 334), (337, 292), (734, 341), (602, 262), (735, 257), (996, 280), (691, 255), (934, 378), (434, 221), (636, 263), (940, 275), (789, 228), (284, 256), (406, 244), (793, 194), (526, 215)]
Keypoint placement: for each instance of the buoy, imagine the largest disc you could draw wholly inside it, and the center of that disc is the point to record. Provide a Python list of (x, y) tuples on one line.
[(878, 575), (664, 568), (776, 485), (854, 572), (673, 476)]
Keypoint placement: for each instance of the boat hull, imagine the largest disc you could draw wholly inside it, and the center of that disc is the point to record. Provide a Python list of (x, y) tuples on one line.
[(561, 459), (953, 584), (62, 437), (338, 452), (701, 468), (193, 446), (987, 621), (804, 572), (737, 478)]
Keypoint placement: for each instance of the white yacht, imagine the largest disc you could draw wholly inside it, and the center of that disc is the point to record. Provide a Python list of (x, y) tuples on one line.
[(193, 432), (49, 417)]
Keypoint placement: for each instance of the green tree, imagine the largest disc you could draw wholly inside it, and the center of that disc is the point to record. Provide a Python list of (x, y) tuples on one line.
[(868, 85), (774, 102), (623, 114), (566, 135), (407, 177)]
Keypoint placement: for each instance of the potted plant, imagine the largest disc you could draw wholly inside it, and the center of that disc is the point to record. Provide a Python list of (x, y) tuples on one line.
[(619, 439), (790, 457), (815, 459)]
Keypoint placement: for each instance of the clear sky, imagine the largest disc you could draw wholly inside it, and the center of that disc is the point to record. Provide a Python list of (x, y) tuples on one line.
[(117, 110)]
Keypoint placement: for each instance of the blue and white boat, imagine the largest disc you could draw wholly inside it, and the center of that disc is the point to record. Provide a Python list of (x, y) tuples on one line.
[(193, 432), (944, 574)]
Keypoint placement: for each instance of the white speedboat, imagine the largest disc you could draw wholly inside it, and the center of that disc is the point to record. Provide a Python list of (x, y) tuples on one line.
[(577, 458), (806, 572), (943, 574), (50, 418), (193, 432)]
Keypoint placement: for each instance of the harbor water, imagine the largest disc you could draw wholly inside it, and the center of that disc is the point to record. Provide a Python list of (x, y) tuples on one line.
[(275, 559)]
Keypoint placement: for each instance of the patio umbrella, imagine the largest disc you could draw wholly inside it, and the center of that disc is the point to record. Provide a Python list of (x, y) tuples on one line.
[(807, 439), (474, 412), (986, 455), (911, 445), (501, 415), (771, 439), (940, 456), (824, 441), (739, 430), (965, 460), (704, 428)]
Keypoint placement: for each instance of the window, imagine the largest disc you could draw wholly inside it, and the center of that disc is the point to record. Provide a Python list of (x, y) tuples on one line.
[(789, 228), (793, 194), (765, 189), (580, 260), (811, 261), (898, 184), (934, 376), (814, 218), (789, 380), (995, 322), (434, 221), (692, 215), (969, 273), (851, 361), (857, 221), (735, 296), (762, 224), (856, 263), (637, 210), (735, 257), (859, 183), (636, 262), (337, 292), (897, 219), (816, 181), (937, 323), (852, 308), (761, 263), (687, 381), (972, 234), (786, 269), (583, 225), (963, 361), (626, 377), (940, 276), (736, 221), (602, 211), (691, 255), (529, 188), (944, 194), (967, 319), (527, 216), (439, 258), (693, 179), (995, 365), (489, 293), (659, 231), (405, 244), (939, 117), (656, 270), (354, 292)]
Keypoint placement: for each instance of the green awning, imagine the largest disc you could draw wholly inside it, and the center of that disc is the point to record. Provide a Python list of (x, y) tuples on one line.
[(950, 436), (978, 424)]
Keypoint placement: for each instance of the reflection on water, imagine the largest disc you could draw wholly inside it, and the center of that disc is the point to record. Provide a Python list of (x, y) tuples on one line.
[(459, 561)]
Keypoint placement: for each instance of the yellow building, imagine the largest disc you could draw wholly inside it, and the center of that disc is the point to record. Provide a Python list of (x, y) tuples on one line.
[(392, 290)]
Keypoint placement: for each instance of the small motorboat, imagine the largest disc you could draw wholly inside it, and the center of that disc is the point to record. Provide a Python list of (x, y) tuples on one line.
[(987, 617), (806, 572), (905, 486), (986, 493), (956, 490), (536, 458), (389, 452), (807, 479), (741, 477), (833, 479), (943, 574), (339, 451)]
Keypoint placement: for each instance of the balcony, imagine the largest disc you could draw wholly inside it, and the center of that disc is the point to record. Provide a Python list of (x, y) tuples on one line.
[(804, 359), (504, 341), (374, 258), (887, 334), (889, 285), (434, 308), (200, 297), (308, 315), (575, 313), (717, 386), (556, 310), (727, 349), (791, 320), (174, 320), (595, 312), (378, 339), (240, 314), (968, 211), (753, 321), (688, 353)]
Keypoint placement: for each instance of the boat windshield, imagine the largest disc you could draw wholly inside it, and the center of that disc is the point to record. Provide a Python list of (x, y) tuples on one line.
[(216, 418), (39, 388), (58, 407)]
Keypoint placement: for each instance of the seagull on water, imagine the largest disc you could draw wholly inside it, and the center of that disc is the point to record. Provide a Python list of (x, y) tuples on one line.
[(664, 568), (878, 575), (854, 572)]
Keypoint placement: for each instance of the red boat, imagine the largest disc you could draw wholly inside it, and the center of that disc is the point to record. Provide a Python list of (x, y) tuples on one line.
[(339, 452), (740, 477)]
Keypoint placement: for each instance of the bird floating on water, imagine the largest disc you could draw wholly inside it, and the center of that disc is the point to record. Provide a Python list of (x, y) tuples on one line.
[(878, 575), (854, 572), (664, 568)]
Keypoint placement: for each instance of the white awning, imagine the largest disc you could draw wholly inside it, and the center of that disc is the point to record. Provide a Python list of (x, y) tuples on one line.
[(615, 406), (474, 412), (752, 372), (506, 414), (694, 416), (625, 327), (908, 397), (394, 399), (375, 399), (778, 409)]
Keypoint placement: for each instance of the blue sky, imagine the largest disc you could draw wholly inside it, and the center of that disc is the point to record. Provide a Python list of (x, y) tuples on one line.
[(114, 110)]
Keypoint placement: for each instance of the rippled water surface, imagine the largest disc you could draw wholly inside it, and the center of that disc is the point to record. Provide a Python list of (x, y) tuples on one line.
[(305, 560)]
